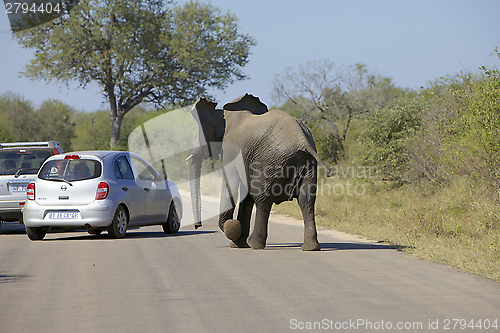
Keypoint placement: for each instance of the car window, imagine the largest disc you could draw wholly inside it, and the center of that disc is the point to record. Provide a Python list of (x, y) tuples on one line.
[(71, 170), (145, 171), (122, 168), (11, 160)]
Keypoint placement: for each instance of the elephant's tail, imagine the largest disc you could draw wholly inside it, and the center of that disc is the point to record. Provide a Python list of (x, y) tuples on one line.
[(314, 154)]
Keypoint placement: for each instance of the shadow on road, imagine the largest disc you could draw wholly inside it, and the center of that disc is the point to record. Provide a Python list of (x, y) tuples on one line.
[(12, 228), (130, 235), (159, 234), (338, 246), (9, 278)]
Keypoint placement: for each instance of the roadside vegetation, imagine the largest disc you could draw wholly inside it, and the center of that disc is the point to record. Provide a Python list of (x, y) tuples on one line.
[(420, 172)]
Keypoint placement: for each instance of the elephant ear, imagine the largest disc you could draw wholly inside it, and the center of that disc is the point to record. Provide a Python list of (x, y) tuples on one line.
[(203, 108), (210, 125), (209, 118), (246, 103)]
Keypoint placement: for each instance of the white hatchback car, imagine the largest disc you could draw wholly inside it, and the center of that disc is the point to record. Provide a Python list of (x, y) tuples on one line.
[(100, 190)]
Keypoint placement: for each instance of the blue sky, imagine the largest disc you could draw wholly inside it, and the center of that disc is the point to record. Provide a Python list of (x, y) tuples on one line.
[(413, 42)]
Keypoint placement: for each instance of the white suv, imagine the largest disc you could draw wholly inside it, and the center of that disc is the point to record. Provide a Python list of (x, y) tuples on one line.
[(19, 164)]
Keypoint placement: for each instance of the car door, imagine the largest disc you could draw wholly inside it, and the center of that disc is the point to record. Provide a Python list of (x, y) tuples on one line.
[(133, 193), (156, 196)]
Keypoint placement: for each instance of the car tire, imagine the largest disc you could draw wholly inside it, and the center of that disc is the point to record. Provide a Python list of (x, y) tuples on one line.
[(118, 228), (173, 221), (35, 233)]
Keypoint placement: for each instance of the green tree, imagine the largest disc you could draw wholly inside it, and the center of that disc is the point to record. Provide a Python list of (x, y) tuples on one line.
[(92, 131), (5, 133), (55, 123), (139, 51), (21, 119), (389, 136), (471, 130)]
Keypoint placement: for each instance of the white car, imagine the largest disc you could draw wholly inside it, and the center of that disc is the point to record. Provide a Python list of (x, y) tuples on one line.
[(100, 190)]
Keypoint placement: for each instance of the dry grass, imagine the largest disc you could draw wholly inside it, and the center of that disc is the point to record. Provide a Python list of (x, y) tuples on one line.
[(457, 226)]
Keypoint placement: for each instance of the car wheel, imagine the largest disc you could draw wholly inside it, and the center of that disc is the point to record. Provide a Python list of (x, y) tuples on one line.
[(35, 233), (118, 227), (173, 222), (94, 231)]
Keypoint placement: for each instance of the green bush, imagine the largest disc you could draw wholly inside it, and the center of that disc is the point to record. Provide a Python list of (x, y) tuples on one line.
[(471, 132), (389, 135)]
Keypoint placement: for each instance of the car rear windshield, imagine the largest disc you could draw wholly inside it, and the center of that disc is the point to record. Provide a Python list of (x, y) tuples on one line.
[(70, 170), (29, 160)]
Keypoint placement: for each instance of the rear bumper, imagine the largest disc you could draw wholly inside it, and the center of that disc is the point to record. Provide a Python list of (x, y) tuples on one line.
[(98, 214), (11, 216), (11, 210)]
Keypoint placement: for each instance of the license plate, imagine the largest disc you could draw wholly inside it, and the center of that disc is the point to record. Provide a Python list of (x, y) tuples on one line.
[(62, 216), (18, 188)]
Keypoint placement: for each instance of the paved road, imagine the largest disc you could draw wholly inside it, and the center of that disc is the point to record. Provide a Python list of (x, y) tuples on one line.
[(193, 282)]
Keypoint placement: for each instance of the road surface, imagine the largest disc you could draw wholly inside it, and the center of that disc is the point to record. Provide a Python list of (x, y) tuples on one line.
[(193, 282)]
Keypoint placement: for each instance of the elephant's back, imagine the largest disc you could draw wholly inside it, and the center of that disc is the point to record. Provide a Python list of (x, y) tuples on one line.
[(290, 132), (272, 135)]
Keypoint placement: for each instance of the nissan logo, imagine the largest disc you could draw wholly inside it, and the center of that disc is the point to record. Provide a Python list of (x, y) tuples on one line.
[(64, 188)]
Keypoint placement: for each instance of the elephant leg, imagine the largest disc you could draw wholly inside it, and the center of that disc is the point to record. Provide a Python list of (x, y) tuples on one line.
[(306, 201), (244, 216), (258, 238)]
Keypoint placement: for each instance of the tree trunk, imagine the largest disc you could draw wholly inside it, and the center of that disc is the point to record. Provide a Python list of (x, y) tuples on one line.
[(116, 124), (340, 143)]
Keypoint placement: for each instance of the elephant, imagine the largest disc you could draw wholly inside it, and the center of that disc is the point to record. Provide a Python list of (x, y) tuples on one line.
[(280, 163)]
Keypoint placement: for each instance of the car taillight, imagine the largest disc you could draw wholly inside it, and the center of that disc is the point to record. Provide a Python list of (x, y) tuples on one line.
[(30, 191), (102, 191)]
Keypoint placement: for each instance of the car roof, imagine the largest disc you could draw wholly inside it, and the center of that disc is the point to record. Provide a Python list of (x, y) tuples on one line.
[(99, 154), (17, 145)]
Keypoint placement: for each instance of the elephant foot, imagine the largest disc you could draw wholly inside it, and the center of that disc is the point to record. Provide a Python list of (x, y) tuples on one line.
[(197, 225), (232, 229), (239, 245), (311, 246), (256, 244)]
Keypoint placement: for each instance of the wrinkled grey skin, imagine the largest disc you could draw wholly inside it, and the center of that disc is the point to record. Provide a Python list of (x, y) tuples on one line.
[(280, 161)]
